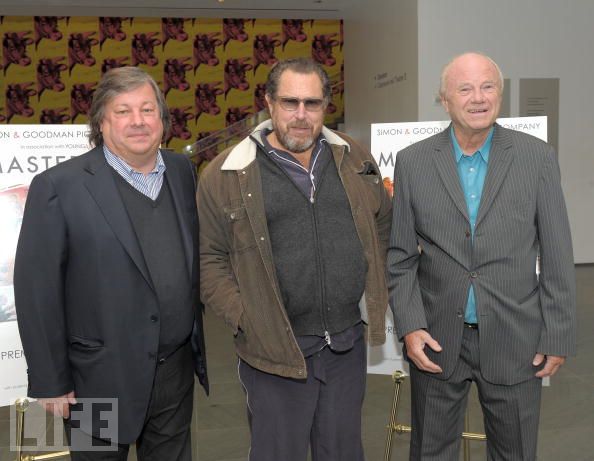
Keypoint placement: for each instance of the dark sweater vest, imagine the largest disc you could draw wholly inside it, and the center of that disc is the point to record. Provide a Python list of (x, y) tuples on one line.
[(318, 257), (157, 229)]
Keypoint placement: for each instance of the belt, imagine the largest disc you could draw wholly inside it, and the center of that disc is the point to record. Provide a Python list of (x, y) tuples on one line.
[(472, 326)]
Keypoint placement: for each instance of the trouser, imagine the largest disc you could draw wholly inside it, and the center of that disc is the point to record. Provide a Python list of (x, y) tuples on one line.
[(165, 435), (510, 413), (323, 411)]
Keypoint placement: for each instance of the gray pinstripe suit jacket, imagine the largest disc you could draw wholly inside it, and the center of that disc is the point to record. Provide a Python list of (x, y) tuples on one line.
[(522, 213)]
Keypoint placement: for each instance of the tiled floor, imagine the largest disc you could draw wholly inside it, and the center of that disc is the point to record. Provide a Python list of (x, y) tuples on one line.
[(220, 430)]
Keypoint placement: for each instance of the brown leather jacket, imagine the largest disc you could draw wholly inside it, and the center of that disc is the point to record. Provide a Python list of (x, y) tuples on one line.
[(237, 274)]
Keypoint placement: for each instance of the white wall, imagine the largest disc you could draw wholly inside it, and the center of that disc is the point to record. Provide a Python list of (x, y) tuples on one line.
[(528, 39), (380, 39)]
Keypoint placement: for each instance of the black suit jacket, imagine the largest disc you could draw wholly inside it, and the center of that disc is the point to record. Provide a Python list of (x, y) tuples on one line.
[(84, 297)]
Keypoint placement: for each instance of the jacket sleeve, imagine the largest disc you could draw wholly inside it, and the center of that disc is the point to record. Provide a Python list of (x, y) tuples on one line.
[(219, 290), (383, 220), (557, 272), (403, 259), (39, 278)]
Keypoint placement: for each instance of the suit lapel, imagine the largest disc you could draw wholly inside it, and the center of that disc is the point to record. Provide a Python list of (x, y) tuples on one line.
[(101, 184), (175, 182), (500, 159), (446, 167)]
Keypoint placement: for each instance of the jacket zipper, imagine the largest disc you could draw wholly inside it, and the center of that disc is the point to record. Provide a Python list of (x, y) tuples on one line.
[(320, 270)]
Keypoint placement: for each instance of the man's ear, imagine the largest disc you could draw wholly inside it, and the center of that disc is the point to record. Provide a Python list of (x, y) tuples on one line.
[(444, 103), (269, 103)]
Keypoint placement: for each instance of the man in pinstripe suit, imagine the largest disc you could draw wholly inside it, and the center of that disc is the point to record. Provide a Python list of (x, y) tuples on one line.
[(473, 206)]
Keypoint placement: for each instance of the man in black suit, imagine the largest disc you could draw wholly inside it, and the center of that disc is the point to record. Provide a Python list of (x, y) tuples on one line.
[(106, 281)]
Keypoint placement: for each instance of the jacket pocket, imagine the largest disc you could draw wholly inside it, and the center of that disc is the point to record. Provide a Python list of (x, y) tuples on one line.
[(78, 342), (242, 236)]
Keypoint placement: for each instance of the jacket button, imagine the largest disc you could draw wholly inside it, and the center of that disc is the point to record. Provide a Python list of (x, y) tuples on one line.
[(459, 314), (467, 234), (154, 318), (473, 275)]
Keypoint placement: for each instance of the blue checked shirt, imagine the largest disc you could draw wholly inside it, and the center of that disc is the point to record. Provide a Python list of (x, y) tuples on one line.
[(472, 171), (149, 184)]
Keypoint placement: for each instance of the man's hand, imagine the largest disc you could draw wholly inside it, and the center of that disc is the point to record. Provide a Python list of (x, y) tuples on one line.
[(59, 406), (552, 364), (415, 342)]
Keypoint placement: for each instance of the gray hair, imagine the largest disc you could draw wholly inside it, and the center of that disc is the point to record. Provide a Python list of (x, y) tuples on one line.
[(444, 73), (115, 82), (299, 66)]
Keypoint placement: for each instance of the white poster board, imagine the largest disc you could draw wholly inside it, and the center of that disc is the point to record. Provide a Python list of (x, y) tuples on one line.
[(386, 140), (25, 151)]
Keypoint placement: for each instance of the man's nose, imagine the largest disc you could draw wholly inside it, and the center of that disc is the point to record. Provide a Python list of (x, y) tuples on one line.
[(478, 95), (300, 112), (137, 117)]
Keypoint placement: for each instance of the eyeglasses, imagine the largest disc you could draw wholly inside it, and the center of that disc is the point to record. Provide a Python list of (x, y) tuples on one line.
[(292, 104)]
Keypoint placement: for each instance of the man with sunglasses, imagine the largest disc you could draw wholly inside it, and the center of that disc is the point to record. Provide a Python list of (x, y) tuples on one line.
[(294, 228)]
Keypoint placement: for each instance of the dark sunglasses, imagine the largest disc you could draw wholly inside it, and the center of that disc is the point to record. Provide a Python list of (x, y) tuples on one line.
[(292, 104)]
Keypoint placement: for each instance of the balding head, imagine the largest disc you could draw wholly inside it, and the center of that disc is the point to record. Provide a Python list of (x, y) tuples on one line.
[(463, 59), (471, 95)]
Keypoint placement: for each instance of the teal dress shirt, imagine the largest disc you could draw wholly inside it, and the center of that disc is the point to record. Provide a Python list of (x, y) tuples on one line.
[(472, 171)]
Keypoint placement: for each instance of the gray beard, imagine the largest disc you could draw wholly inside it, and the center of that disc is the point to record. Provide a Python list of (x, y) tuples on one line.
[(294, 145)]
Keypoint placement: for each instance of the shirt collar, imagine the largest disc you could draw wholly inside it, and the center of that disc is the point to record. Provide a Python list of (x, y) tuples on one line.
[(113, 160), (483, 150)]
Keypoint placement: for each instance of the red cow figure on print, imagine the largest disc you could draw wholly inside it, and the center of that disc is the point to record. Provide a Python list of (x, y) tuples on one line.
[(235, 78), (293, 30), (205, 98), (174, 74), (46, 27), (111, 28), (14, 49), (17, 100), (234, 29), (264, 45), (48, 75), (321, 48), (81, 97), (205, 49), (143, 49), (173, 29), (80, 49), (179, 123)]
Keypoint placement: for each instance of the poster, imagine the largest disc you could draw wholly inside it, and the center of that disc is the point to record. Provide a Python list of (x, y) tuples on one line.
[(25, 150)]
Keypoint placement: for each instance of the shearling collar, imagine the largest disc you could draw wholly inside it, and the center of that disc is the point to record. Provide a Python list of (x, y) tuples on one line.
[(245, 152)]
